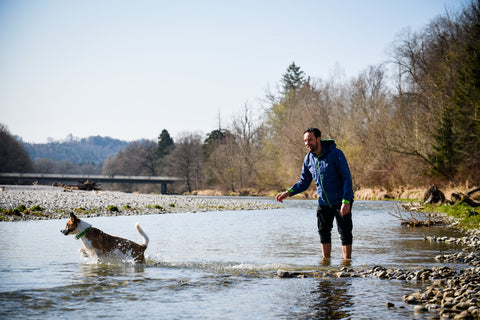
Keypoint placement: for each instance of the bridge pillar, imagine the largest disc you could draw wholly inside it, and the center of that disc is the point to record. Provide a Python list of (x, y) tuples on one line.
[(163, 189)]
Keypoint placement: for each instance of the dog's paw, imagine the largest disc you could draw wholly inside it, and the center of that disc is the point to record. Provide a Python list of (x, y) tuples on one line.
[(83, 252)]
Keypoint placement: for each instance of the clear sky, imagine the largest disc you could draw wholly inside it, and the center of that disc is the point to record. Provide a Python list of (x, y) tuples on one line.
[(128, 69)]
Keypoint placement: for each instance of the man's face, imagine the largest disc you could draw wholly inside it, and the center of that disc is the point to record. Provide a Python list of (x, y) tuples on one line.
[(312, 143)]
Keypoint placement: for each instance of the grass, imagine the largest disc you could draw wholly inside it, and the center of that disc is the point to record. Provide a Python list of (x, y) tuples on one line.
[(157, 206), (113, 208), (37, 208), (21, 210), (467, 216)]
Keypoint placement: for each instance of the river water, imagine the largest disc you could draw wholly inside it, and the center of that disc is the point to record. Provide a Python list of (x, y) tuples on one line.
[(214, 265)]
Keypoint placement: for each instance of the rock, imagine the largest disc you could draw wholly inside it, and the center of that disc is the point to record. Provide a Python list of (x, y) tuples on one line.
[(432, 306), (342, 274), (475, 312), (286, 274), (448, 303), (461, 306), (463, 315), (419, 309), (411, 300)]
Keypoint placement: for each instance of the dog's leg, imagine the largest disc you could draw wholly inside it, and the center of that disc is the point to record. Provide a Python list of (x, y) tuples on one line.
[(83, 252)]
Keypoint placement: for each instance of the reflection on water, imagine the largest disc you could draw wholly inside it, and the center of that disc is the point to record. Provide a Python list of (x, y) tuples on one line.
[(330, 300), (105, 270), (212, 265)]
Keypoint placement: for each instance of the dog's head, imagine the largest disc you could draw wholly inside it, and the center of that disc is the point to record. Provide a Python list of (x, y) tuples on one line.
[(72, 224)]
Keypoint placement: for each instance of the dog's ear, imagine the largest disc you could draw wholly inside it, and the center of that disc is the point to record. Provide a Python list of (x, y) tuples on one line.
[(74, 217)]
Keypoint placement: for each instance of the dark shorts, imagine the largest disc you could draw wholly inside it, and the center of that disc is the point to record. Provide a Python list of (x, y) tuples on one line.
[(325, 216)]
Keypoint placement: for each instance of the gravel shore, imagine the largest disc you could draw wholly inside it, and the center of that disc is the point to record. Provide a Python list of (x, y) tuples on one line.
[(450, 293), (45, 202)]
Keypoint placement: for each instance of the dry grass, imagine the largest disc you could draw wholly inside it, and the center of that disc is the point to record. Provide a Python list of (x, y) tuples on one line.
[(405, 193), (383, 194), (400, 193)]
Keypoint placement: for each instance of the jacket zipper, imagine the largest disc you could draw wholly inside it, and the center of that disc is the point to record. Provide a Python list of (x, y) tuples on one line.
[(321, 182)]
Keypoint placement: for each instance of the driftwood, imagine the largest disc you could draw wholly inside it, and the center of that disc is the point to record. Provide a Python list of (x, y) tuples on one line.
[(465, 198), (433, 195), (418, 219), (82, 185)]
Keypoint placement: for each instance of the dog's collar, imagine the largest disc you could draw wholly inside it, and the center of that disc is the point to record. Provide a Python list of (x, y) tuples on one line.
[(81, 234)]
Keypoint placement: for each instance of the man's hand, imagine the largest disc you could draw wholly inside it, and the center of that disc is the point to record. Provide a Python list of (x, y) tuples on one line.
[(282, 196), (345, 209)]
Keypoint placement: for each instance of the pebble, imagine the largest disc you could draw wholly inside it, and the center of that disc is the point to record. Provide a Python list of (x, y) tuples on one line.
[(419, 309)]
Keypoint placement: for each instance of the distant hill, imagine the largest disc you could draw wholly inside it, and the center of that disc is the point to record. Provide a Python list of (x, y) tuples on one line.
[(92, 150)]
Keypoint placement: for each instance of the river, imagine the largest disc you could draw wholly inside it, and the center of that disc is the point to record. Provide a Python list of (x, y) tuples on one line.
[(214, 265)]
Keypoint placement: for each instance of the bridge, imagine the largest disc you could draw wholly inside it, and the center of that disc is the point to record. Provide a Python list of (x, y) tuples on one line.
[(45, 178)]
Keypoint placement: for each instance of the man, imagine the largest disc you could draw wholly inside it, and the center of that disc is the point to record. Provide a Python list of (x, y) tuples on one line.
[(327, 166)]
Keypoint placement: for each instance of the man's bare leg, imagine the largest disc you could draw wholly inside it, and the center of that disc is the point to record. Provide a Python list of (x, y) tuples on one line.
[(326, 249), (347, 252)]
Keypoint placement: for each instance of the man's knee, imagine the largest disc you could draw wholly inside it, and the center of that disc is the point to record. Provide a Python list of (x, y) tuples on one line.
[(345, 228), (347, 239), (325, 235), (346, 235)]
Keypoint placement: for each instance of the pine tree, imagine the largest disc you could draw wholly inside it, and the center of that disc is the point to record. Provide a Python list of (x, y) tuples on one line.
[(165, 144), (446, 148), (294, 78)]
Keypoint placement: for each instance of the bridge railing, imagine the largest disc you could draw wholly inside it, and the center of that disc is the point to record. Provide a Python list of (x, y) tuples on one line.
[(22, 178)]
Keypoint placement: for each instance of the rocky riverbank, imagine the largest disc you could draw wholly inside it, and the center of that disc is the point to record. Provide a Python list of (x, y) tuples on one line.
[(19, 203), (450, 293)]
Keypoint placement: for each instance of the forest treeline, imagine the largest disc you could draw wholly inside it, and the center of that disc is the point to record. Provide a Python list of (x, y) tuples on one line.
[(411, 121), (92, 150), (71, 155)]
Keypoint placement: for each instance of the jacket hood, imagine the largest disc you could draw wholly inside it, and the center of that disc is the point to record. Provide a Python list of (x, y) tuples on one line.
[(328, 145)]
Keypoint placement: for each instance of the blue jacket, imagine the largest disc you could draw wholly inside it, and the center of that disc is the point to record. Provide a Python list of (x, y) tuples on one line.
[(331, 174)]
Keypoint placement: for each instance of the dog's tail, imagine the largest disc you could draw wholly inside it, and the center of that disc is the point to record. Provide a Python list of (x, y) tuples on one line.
[(142, 234)]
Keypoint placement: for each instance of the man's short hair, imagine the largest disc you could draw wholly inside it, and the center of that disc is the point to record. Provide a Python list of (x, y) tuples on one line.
[(316, 132)]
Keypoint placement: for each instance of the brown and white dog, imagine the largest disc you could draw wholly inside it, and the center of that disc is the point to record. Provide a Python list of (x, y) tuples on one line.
[(100, 244)]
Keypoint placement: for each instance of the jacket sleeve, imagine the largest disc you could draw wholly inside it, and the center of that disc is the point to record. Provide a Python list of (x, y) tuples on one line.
[(305, 180), (346, 176)]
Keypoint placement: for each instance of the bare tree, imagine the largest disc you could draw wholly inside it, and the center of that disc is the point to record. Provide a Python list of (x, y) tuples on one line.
[(438, 67), (219, 155), (247, 132), (319, 105), (186, 160), (137, 158), (44, 165), (148, 157)]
